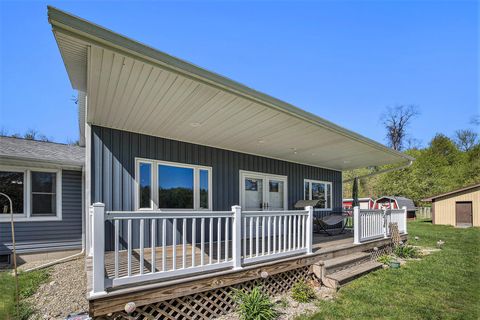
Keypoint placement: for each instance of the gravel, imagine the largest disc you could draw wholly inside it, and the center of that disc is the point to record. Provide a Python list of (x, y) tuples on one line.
[(64, 293), (290, 309)]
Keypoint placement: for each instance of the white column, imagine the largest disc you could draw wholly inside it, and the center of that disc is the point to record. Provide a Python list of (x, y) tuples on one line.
[(356, 225), (98, 286), (237, 237), (405, 218), (309, 227)]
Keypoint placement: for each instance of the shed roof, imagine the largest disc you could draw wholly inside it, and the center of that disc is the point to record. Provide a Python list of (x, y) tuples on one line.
[(453, 192), (41, 151), (401, 201)]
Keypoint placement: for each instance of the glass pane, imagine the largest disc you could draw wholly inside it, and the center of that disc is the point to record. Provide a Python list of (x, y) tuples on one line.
[(275, 195), (44, 181), (318, 193), (43, 204), (145, 185), (204, 189), (11, 183), (329, 196), (175, 187), (307, 191), (253, 194)]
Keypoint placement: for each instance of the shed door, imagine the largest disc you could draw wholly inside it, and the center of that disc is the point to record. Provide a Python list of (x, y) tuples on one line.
[(464, 214)]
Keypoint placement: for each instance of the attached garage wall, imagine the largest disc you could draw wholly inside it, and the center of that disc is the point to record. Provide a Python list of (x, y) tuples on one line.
[(444, 207)]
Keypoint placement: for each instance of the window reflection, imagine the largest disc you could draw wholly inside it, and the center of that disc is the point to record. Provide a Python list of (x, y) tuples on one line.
[(175, 187), (145, 198)]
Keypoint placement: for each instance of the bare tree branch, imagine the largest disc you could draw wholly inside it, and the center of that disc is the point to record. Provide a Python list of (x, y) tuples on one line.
[(396, 121), (465, 139)]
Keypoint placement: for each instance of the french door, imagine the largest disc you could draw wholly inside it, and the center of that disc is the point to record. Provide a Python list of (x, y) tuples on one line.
[(260, 192)]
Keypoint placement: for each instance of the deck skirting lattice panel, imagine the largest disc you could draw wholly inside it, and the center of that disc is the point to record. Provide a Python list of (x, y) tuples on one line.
[(214, 303)]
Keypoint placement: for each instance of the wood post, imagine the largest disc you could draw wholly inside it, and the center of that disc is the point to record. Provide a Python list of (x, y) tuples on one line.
[(98, 259), (237, 237), (309, 227), (356, 225)]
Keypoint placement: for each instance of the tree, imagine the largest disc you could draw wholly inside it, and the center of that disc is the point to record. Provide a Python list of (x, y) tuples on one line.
[(33, 134), (465, 139), (396, 121)]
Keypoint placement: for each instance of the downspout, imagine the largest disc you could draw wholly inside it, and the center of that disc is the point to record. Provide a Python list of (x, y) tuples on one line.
[(81, 253)]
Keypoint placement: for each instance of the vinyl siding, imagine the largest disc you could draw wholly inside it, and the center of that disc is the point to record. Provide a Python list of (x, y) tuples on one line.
[(444, 207), (113, 169), (36, 236)]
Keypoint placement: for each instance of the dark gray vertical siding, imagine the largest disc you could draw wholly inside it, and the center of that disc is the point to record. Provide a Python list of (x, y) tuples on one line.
[(113, 171), (34, 235), (113, 168)]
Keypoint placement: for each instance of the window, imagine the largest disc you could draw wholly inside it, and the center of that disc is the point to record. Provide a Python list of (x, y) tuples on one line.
[(44, 197), (35, 193), (12, 184), (145, 197), (319, 190), (178, 186)]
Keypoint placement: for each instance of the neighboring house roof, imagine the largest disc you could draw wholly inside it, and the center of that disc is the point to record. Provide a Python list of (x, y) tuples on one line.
[(198, 106), (470, 187), (401, 201), (41, 151)]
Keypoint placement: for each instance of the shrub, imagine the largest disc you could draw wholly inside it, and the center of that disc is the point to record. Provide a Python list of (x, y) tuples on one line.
[(254, 305), (302, 292), (385, 259), (406, 251)]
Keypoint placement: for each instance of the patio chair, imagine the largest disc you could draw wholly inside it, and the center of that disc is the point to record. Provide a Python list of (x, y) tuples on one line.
[(329, 221)]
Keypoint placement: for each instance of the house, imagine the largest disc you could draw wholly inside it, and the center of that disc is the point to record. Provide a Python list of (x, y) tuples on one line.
[(191, 180), (460, 207), (364, 203), (394, 202), (45, 183)]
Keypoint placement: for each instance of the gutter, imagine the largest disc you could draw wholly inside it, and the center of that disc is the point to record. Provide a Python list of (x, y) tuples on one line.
[(410, 162)]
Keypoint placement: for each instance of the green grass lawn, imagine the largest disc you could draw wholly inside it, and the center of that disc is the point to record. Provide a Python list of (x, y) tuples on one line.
[(443, 285), (28, 283)]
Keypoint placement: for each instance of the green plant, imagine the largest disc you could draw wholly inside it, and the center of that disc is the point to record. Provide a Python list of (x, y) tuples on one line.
[(385, 259), (254, 305), (406, 251), (302, 292), (283, 303)]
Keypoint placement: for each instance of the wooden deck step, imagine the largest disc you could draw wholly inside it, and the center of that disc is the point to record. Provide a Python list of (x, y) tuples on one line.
[(339, 263), (339, 278)]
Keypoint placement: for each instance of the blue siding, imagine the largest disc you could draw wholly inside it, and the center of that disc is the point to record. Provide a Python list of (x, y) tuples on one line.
[(113, 171), (36, 236)]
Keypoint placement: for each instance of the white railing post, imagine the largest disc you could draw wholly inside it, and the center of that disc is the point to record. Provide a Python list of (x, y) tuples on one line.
[(405, 219), (98, 258), (385, 223), (237, 237), (309, 227), (356, 225)]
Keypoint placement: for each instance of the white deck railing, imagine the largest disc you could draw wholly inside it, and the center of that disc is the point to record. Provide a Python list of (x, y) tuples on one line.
[(191, 242), (373, 224)]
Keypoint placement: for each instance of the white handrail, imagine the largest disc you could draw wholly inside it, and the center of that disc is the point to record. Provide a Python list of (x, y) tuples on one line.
[(374, 224), (157, 245)]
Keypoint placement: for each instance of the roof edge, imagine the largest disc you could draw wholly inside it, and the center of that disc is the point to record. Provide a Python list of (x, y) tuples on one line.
[(473, 186), (93, 31)]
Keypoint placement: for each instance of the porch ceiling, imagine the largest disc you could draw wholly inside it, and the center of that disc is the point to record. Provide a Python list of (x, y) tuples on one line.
[(136, 88)]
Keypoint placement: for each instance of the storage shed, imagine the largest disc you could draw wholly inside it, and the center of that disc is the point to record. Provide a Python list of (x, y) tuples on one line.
[(395, 202), (458, 207)]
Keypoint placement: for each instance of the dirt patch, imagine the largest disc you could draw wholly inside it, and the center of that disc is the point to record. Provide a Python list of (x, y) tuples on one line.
[(65, 292)]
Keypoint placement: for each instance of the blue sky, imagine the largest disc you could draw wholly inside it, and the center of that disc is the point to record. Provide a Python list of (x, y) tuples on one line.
[(344, 61)]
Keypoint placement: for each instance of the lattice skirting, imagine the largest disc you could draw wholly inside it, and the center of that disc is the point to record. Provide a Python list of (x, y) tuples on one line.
[(375, 253), (214, 303)]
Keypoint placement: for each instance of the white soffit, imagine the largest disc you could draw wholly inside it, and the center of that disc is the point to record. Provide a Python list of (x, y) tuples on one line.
[(129, 90)]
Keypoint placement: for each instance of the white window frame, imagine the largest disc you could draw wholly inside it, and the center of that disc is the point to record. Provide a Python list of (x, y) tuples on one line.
[(154, 183), (310, 181), (27, 195)]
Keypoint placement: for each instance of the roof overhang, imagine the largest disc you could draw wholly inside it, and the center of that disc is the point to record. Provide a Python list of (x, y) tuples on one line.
[(133, 87)]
